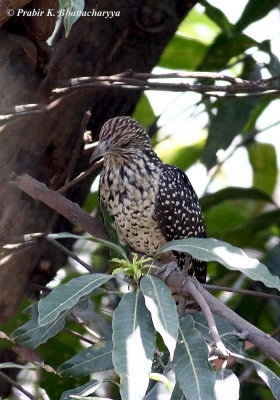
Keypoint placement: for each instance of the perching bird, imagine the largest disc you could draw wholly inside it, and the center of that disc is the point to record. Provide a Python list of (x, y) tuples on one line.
[(152, 203)]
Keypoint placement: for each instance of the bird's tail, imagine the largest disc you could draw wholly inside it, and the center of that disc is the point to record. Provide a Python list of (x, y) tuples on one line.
[(198, 269)]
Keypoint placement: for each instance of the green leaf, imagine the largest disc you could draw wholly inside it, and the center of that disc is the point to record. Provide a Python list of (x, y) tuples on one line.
[(91, 202), (144, 112), (225, 216), (223, 49), (111, 245), (83, 390), (162, 389), (134, 343), (263, 159), (233, 115), (182, 53), (230, 120), (31, 334), (246, 232), (231, 257), (193, 371), (197, 25), (66, 296), (65, 3), (161, 378), (269, 377), (254, 11), (216, 15), (274, 64), (93, 359), (229, 334), (233, 193), (178, 154), (177, 393), (262, 104), (60, 348), (71, 10), (226, 382), (162, 307), (272, 259)]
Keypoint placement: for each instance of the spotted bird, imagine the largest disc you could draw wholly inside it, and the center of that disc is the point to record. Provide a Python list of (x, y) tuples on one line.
[(151, 202)]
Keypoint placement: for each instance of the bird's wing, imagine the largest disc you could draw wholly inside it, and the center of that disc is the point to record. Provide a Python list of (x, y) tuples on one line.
[(178, 212)]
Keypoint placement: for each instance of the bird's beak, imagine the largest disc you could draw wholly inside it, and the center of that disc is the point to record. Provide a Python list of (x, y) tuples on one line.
[(100, 150)]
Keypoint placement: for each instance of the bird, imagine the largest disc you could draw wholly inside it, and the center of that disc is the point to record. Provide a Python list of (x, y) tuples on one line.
[(151, 202)]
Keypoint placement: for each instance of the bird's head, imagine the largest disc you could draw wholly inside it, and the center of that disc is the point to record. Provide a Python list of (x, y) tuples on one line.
[(120, 136)]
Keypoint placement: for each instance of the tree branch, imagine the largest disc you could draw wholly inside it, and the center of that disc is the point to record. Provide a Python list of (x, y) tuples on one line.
[(175, 279), (241, 291), (220, 350), (80, 177), (7, 6), (256, 336), (17, 386), (60, 204), (130, 80), (117, 81), (71, 254)]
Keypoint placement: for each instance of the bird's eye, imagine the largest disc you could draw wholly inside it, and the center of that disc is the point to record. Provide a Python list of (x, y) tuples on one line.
[(125, 144)]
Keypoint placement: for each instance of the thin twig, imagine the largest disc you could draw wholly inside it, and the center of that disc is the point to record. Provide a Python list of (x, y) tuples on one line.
[(19, 239), (250, 369), (17, 386), (130, 80), (80, 177), (21, 108), (73, 333), (37, 286), (80, 321), (196, 75), (132, 84), (254, 382), (249, 332), (189, 287), (253, 334), (70, 254), (271, 79), (237, 142), (62, 205), (75, 155), (134, 78), (240, 291)]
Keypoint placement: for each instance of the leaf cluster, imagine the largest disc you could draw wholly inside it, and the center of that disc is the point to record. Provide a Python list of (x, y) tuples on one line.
[(148, 342)]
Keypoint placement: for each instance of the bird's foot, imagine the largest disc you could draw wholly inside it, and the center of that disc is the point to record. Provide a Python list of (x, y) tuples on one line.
[(166, 269)]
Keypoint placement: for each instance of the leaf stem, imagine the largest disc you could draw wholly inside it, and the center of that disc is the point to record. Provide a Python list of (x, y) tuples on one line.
[(81, 337), (241, 291), (16, 385), (190, 287), (70, 254)]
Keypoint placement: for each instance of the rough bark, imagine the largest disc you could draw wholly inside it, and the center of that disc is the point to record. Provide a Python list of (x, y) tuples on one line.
[(7, 5), (42, 145)]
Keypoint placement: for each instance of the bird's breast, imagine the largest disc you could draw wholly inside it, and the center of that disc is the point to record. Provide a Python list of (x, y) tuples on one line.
[(129, 193)]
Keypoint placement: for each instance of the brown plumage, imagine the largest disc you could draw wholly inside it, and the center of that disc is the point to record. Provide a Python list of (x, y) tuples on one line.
[(151, 202)]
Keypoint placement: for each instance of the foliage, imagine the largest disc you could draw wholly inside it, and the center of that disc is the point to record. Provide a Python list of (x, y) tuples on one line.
[(133, 268), (70, 12), (136, 345), (148, 308)]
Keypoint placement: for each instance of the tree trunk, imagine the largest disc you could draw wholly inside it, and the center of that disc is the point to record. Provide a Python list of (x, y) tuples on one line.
[(42, 144)]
